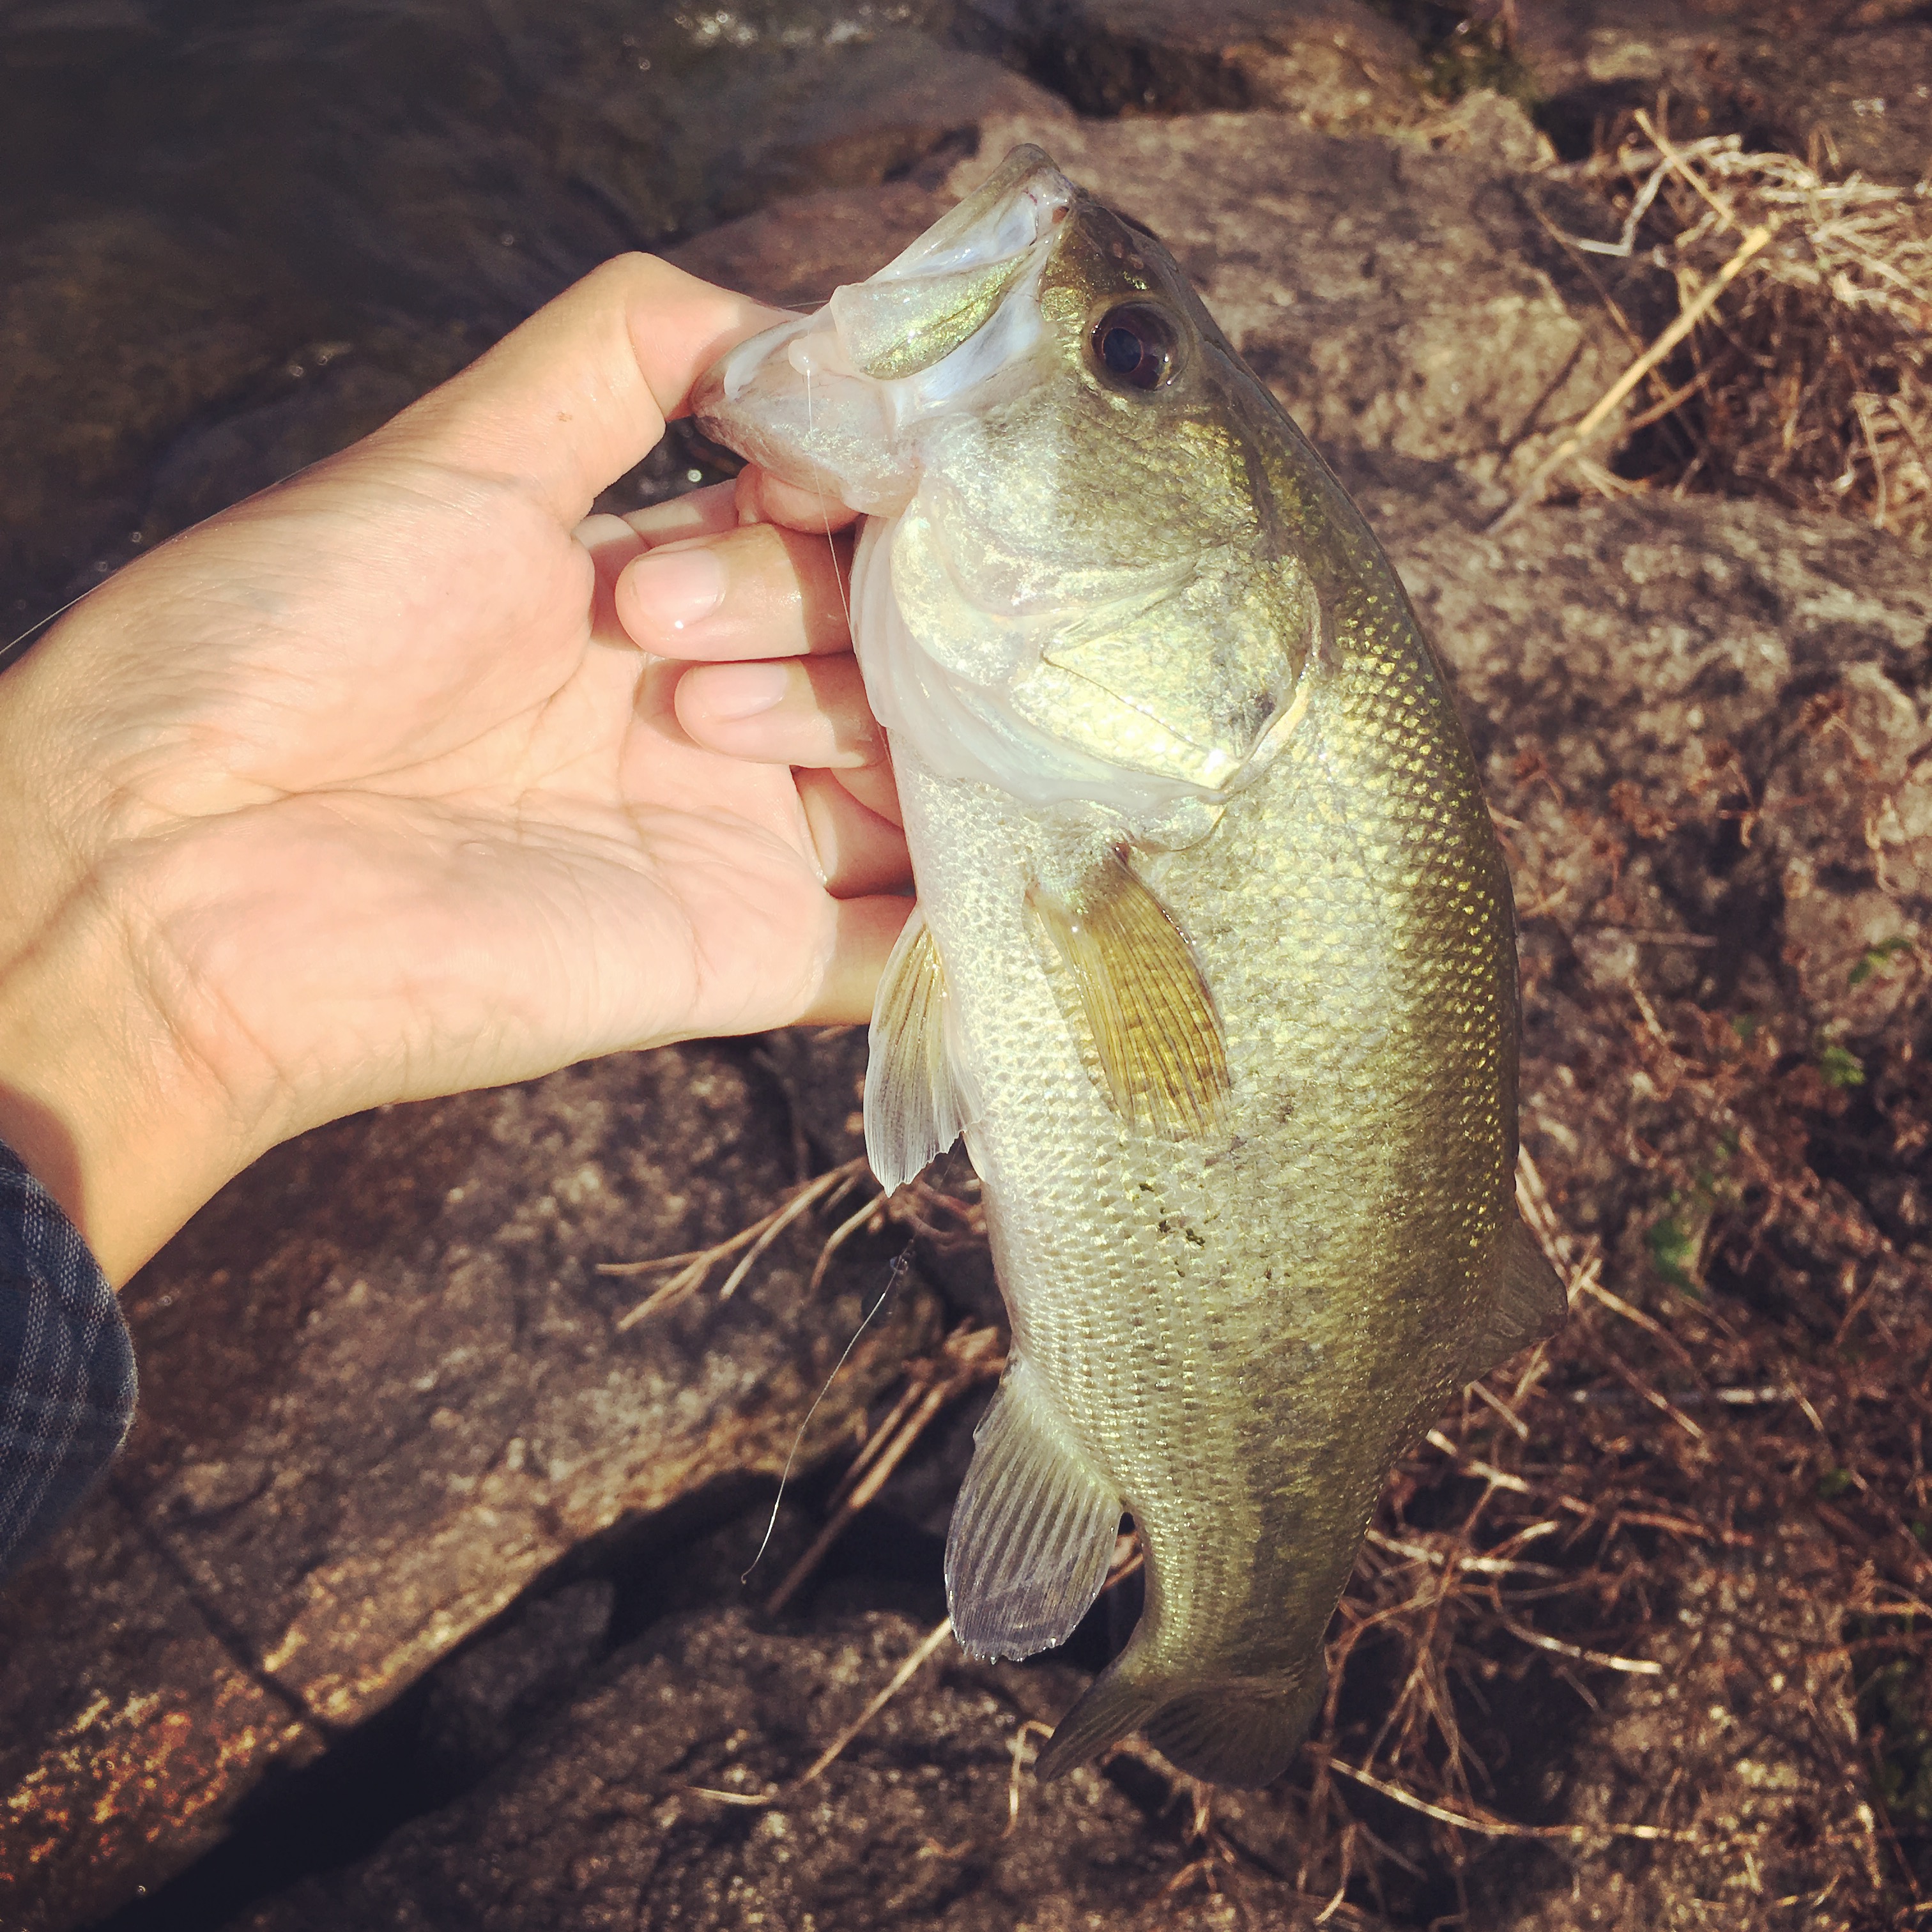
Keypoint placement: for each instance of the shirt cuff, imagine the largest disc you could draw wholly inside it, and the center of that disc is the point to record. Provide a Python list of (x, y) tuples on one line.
[(67, 1365)]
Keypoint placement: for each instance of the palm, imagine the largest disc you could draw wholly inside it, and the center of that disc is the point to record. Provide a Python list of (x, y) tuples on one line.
[(457, 811)]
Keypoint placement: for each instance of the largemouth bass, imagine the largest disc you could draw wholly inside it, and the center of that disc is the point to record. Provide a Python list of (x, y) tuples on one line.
[(1214, 962)]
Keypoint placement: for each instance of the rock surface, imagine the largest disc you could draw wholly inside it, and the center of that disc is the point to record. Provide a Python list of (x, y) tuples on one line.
[(383, 1391), (1337, 63), (112, 335), (598, 1823)]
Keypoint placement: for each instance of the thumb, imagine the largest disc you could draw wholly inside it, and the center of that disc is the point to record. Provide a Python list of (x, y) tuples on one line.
[(580, 392)]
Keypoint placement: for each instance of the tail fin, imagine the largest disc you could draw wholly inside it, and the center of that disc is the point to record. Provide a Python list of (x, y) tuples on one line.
[(1230, 1730)]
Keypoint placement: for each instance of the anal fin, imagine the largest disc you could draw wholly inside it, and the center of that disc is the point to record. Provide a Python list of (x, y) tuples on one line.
[(1033, 1533), (1147, 1009), (1522, 1299), (1239, 1731), (917, 1102)]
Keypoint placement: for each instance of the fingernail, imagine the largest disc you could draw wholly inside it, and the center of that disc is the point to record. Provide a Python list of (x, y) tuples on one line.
[(678, 587), (743, 690)]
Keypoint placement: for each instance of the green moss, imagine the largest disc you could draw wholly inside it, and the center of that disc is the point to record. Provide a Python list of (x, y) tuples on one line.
[(1673, 1251), (1840, 1067), (1877, 958)]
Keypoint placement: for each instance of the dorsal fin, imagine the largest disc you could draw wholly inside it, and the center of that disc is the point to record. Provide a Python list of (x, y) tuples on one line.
[(1147, 1009), (917, 1103), (1033, 1532)]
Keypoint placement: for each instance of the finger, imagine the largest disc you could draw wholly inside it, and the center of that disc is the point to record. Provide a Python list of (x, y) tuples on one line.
[(580, 392), (764, 498), (858, 852), (865, 932), (809, 711), (756, 592), (708, 512), (614, 542)]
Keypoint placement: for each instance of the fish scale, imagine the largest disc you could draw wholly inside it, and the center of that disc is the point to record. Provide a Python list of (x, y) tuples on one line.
[(1214, 958)]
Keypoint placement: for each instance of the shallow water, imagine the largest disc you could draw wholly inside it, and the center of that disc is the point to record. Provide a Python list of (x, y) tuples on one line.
[(235, 236), (445, 154)]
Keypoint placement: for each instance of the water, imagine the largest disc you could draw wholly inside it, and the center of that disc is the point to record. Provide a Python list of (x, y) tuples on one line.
[(235, 236)]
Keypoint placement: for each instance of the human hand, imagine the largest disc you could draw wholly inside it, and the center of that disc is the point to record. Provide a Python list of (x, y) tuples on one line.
[(363, 791)]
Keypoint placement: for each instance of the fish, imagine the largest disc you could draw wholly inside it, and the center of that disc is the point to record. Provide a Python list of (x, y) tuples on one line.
[(1213, 960)]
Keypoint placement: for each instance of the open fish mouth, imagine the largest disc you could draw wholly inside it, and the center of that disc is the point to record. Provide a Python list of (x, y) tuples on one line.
[(933, 298), (934, 326)]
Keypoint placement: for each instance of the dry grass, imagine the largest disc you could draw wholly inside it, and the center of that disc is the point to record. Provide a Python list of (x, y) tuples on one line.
[(1811, 379)]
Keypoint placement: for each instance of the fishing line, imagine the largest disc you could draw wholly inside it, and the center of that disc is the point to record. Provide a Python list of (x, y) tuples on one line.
[(900, 1264), (811, 436), (9, 651)]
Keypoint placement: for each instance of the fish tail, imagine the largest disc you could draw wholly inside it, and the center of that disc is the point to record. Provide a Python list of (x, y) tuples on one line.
[(1239, 1731)]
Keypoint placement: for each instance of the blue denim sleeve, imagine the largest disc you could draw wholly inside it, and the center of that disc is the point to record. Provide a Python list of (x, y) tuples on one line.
[(67, 1365)]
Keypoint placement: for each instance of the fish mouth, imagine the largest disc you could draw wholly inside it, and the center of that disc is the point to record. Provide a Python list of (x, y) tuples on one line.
[(822, 400), (951, 310), (1021, 202), (933, 300)]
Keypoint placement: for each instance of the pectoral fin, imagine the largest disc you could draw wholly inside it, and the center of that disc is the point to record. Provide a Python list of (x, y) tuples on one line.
[(1522, 1299), (917, 1102), (1148, 1010), (1033, 1532)]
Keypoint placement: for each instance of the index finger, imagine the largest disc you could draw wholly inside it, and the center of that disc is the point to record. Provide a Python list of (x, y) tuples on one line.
[(581, 393), (763, 498)]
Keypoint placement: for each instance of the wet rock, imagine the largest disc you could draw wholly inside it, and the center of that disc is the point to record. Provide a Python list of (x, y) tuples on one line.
[(1853, 93), (316, 400), (408, 179), (1335, 64), (383, 1391)]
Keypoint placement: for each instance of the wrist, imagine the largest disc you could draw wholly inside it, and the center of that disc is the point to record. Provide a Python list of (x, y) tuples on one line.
[(98, 1096)]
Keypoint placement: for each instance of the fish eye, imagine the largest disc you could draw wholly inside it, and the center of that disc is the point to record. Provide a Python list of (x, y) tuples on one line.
[(1137, 344)]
